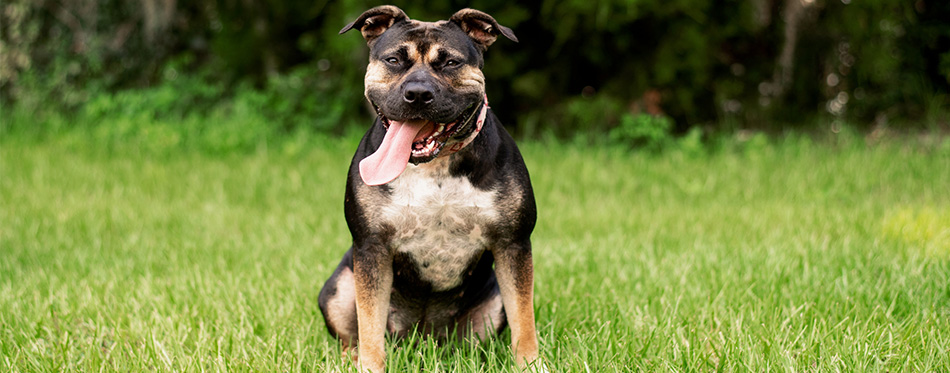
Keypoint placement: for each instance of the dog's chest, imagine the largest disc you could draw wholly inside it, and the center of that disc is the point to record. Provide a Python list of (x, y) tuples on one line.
[(440, 221)]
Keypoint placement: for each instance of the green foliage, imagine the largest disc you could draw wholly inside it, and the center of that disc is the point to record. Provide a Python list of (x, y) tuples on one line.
[(879, 60), (719, 65), (181, 62), (197, 112), (644, 131)]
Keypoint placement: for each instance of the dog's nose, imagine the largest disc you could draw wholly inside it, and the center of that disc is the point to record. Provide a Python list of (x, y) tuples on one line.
[(418, 94)]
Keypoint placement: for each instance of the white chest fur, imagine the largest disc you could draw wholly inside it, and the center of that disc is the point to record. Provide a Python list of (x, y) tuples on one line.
[(440, 220)]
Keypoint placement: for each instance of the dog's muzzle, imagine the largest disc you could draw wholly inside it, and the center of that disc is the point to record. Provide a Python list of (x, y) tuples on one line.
[(419, 141)]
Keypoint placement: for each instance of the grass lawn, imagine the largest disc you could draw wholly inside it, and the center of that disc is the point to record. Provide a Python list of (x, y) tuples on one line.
[(787, 255)]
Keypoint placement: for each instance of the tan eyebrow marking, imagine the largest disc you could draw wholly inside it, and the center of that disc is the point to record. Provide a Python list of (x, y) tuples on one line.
[(433, 52), (411, 51)]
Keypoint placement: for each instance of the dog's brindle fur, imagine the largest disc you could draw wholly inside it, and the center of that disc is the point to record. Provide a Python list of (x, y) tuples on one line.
[(424, 244)]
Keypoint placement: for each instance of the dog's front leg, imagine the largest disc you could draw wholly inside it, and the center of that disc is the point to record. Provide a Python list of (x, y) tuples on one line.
[(372, 267), (515, 273)]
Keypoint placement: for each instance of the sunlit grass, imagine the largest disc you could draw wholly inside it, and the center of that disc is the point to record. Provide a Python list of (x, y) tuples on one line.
[(788, 255), (924, 227)]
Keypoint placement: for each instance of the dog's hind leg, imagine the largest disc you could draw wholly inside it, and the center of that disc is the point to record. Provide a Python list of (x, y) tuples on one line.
[(485, 319), (337, 302)]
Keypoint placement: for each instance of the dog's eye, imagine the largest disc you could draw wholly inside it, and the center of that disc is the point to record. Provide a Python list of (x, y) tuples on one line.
[(451, 63), (392, 60)]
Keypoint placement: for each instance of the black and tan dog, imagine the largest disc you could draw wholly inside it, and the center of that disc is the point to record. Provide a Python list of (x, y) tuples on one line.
[(438, 198)]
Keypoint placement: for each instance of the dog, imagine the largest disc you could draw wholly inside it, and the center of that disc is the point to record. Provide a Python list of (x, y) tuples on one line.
[(438, 198)]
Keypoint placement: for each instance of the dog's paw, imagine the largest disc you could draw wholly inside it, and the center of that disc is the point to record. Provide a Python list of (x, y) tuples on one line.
[(537, 366), (541, 367)]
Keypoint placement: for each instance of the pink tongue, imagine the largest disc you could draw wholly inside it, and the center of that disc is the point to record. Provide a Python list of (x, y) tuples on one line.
[(391, 158)]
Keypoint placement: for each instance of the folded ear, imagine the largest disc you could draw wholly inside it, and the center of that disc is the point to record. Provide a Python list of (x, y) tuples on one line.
[(374, 22), (481, 27)]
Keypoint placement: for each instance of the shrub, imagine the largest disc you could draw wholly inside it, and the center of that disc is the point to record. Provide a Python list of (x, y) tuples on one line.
[(643, 131)]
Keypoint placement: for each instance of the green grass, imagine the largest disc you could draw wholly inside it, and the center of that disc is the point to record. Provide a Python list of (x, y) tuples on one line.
[(787, 255)]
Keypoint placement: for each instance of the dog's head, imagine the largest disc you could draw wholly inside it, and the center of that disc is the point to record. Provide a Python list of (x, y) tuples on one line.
[(425, 78)]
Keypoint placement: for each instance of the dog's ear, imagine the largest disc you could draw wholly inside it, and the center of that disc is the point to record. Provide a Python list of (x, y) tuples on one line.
[(481, 27), (374, 22)]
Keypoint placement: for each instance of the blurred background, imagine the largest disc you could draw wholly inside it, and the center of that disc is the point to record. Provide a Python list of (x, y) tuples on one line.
[(612, 70)]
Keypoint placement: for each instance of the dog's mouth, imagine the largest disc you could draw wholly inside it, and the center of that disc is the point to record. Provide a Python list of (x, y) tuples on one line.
[(415, 140), (432, 136), (430, 139)]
